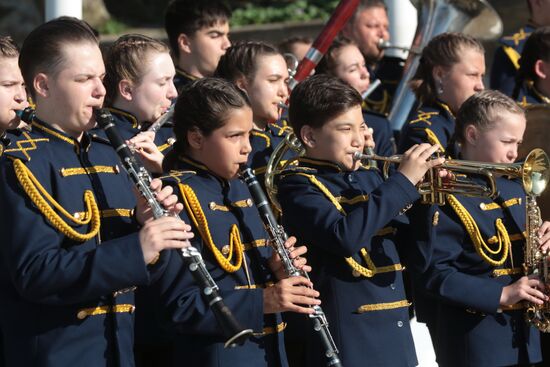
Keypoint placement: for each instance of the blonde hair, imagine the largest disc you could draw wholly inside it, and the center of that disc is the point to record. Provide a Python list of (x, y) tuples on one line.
[(443, 50), (125, 60), (482, 111)]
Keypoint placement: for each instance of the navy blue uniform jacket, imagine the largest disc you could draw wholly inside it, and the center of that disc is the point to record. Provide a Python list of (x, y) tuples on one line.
[(67, 302), (471, 329), (200, 341), (506, 60), (353, 217), (434, 124)]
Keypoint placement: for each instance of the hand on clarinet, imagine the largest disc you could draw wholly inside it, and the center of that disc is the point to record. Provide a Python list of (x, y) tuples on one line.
[(294, 294), (143, 145), (295, 253), (164, 195)]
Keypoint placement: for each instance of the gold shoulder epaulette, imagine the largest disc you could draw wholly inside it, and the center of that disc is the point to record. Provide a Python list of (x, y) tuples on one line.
[(424, 117), (23, 147), (178, 175)]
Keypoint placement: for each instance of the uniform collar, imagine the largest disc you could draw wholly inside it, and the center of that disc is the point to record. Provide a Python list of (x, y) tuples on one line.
[(61, 136), (126, 115), (445, 107), (185, 74), (319, 164), (201, 169), (535, 92)]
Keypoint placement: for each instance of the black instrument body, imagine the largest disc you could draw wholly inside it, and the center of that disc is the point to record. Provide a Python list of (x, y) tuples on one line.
[(278, 237)]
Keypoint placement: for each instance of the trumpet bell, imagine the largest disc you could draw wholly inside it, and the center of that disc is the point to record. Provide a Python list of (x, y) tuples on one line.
[(536, 172)]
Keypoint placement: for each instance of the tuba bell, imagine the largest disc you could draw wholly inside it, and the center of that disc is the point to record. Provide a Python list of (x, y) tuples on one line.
[(473, 17)]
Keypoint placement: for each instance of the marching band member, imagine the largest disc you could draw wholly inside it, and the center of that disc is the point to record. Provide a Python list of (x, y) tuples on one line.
[(477, 251), (213, 120), (533, 79), (345, 61), (350, 219), (506, 60), (451, 69), (368, 25), (71, 251), (260, 70), (198, 36), (139, 83), (12, 90), (12, 98), (295, 45)]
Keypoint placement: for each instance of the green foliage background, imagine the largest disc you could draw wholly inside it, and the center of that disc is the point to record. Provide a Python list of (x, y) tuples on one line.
[(139, 13)]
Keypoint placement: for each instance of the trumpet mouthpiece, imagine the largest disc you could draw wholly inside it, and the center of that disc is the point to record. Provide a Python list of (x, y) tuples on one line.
[(357, 156)]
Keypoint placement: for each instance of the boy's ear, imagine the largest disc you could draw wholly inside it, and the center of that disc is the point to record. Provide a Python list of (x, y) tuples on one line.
[(241, 83), (307, 133), (184, 43), (195, 139), (471, 135), (41, 85), (125, 89), (542, 69)]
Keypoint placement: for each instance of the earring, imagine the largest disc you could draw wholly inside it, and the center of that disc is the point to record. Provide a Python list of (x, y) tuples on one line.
[(439, 89)]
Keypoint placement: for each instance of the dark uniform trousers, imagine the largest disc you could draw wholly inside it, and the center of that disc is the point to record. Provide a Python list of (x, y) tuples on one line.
[(232, 240), (506, 60), (433, 124), (351, 223), (470, 327), (70, 253)]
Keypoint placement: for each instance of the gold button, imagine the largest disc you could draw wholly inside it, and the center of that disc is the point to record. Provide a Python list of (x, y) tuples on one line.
[(82, 314), (132, 309), (171, 141), (249, 202), (225, 250), (116, 169), (212, 205), (76, 215), (482, 206), (356, 273)]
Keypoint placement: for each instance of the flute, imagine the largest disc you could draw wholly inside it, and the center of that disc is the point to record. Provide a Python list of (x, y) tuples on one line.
[(155, 126), (278, 236), (192, 258)]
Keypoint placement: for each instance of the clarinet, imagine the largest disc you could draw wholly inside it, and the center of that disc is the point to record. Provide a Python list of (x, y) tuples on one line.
[(192, 258), (278, 237)]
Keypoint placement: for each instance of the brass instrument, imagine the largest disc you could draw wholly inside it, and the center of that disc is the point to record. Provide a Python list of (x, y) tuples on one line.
[(534, 172), (535, 262), (274, 166)]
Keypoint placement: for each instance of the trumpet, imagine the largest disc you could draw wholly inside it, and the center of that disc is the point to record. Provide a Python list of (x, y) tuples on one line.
[(534, 173)]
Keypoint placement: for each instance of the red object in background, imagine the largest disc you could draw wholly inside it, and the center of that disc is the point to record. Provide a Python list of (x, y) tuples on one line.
[(338, 19)]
